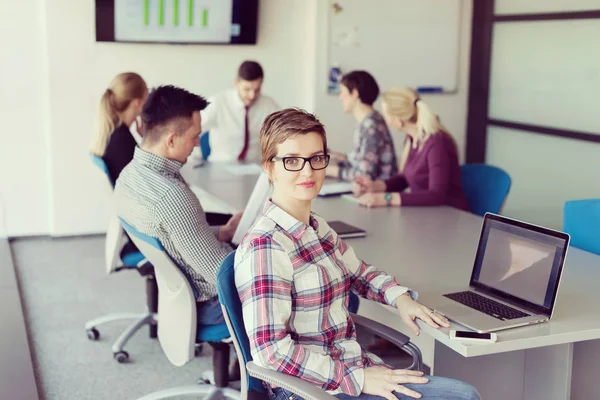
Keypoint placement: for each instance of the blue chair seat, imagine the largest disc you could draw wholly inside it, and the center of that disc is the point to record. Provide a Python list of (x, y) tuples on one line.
[(131, 260), (212, 333)]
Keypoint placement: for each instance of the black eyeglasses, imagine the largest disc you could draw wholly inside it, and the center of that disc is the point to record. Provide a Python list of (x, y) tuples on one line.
[(297, 163)]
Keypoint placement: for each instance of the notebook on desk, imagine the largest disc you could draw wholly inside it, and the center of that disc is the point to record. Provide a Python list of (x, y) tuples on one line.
[(335, 189), (345, 230)]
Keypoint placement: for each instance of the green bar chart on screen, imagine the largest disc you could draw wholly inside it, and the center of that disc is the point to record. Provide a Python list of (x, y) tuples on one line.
[(161, 12), (174, 21), (205, 17), (146, 12), (175, 12)]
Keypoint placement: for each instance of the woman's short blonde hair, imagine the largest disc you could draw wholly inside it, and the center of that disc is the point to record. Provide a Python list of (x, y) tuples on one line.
[(282, 125)]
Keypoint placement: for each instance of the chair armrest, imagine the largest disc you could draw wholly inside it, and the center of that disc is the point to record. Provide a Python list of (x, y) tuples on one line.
[(393, 336), (390, 334), (293, 384)]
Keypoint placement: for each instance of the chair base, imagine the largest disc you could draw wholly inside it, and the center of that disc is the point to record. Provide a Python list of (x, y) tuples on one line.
[(141, 319), (210, 392)]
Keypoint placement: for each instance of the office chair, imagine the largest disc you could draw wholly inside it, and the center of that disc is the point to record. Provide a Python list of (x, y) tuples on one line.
[(205, 145), (582, 222), (177, 330), (253, 375), (119, 257), (486, 187)]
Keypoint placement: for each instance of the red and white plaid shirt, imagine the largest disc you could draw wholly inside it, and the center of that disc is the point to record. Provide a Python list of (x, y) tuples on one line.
[(294, 281)]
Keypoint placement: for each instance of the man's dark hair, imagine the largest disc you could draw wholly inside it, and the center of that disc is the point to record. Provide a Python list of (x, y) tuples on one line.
[(250, 71), (169, 106), (365, 85)]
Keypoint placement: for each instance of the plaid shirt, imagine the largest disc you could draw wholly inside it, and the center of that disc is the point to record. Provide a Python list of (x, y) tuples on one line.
[(152, 196), (293, 281)]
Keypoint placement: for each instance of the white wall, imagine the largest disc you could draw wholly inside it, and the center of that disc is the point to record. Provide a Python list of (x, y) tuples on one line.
[(76, 70), (57, 73), (24, 187), (452, 107)]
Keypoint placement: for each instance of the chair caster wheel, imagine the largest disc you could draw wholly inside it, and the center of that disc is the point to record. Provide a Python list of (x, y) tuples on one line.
[(202, 381), (121, 356), (207, 378), (93, 334), (198, 350)]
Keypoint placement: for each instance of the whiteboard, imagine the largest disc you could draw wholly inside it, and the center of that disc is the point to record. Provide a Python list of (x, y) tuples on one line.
[(400, 42)]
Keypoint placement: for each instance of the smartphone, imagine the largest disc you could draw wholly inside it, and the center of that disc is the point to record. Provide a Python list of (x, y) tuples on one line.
[(473, 336)]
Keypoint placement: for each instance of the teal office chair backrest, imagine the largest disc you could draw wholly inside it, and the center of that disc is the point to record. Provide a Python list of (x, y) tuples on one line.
[(582, 222), (99, 162), (486, 187), (232, 309), (205, 145)]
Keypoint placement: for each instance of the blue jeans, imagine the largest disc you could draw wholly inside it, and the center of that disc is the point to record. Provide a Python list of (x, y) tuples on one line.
[(436, 389), (210, 313)]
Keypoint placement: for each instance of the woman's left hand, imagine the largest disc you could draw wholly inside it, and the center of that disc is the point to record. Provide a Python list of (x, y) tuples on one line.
[(410, 309), (372, 200)]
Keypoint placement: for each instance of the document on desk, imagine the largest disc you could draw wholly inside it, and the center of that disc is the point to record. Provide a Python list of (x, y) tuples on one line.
[(335, 189), (244, 169), (350, 198)]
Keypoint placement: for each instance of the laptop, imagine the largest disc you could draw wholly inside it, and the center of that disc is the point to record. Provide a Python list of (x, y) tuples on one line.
[(345, 230), (515, 277), (256, 204)]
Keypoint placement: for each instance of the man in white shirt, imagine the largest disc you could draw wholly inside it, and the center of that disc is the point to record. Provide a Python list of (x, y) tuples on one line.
[(234, 117)]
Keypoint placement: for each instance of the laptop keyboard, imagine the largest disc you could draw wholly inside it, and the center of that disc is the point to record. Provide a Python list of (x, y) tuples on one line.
[(485, 305)]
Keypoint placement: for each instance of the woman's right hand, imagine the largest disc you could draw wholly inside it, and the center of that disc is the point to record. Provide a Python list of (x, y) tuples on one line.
[(364, 184), (361, 185), (381, 381)]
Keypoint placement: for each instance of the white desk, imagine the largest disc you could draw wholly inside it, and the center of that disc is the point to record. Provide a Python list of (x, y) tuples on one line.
[(432, 250)]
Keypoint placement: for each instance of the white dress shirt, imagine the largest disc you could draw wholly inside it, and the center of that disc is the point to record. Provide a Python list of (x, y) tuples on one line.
[(224, 119)]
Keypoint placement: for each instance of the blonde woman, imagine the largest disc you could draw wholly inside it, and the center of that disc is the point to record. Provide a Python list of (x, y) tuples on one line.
[(294, 274), (120, 106), (429, 164)]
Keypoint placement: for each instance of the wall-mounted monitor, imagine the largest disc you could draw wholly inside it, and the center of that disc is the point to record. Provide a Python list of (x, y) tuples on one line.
[(177, 21)]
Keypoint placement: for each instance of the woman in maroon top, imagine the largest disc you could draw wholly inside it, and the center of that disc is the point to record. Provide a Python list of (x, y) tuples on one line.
[(429, 164)]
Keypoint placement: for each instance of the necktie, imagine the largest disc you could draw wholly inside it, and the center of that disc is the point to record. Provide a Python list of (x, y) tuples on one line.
[(242, 155)]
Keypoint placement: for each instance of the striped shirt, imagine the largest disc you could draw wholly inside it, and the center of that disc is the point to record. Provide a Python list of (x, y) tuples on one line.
[(294, 281), (152, 196)]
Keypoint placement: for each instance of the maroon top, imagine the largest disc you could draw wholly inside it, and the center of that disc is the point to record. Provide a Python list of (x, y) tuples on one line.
[(433, 175)]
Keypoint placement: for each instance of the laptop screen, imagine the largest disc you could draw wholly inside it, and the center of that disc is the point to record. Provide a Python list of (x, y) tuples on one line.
[(519, 262)]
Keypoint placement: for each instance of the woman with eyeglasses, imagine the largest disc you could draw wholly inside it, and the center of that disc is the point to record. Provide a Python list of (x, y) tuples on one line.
[(294, 275)]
